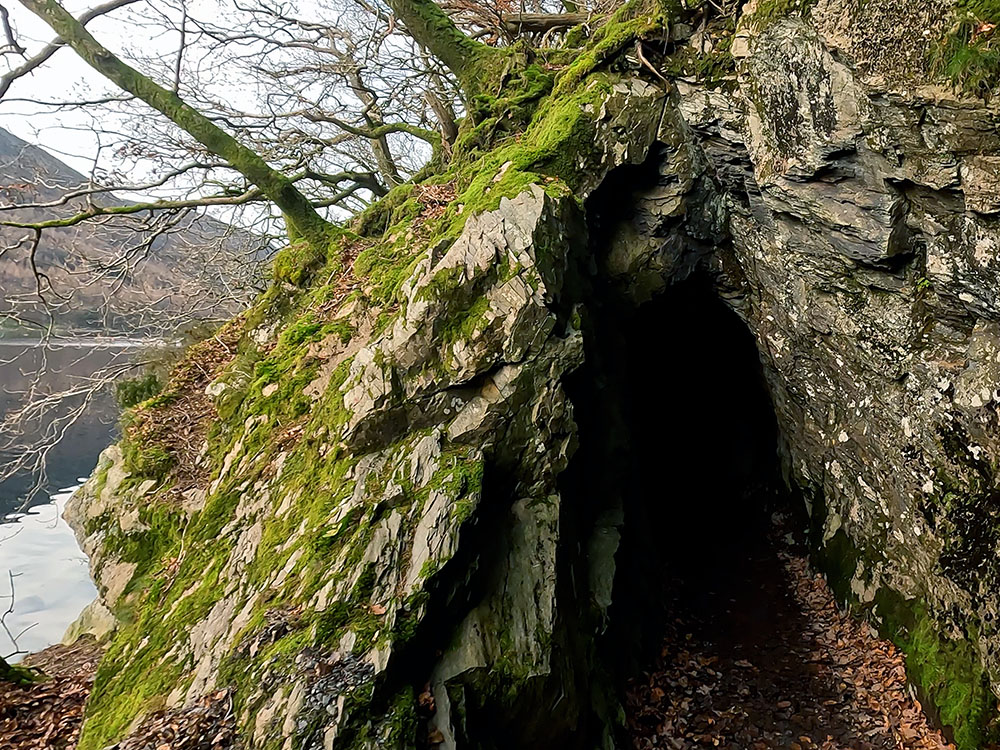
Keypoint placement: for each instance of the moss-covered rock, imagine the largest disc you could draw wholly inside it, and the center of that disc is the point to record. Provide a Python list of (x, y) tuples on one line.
[(385, 420), (350, 507)]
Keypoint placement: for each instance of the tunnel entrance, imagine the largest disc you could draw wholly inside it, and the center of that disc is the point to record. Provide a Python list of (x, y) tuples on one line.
[(678, 436), (715, 629), (704, 495), (710, 622)]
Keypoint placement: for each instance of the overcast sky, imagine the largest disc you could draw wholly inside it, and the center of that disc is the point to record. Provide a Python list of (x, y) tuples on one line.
[(66, 134), (76, 135), (141, 35)]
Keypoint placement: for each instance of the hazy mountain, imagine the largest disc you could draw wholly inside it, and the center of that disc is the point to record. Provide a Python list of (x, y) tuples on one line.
[(196, 269)]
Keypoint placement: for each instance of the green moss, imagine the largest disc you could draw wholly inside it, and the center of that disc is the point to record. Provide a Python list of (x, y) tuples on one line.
[(386, 268), (301, 332), (403, 720), (133, 677), (549, 153), (536, 129), (770, 11), (636, 19), (408, 618), (715, 67), (947, 671), (16, 674), (520, 90), (133, 391), (151, 462), (344, 330), (296, 263), (375, 220)]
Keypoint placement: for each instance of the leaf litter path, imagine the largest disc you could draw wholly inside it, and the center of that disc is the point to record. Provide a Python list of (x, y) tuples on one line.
[(46, 715), (773, 664)]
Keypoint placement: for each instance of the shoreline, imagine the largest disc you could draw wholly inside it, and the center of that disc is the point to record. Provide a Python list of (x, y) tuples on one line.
[(82, 343)]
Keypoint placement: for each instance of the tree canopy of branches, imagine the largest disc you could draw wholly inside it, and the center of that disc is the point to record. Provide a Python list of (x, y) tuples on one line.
[(434, 66), (281, 119)]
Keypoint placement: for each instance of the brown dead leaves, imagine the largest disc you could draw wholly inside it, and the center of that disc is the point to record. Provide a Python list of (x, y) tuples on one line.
[(823, 681), (48, 714), (434, 199), (208, 725), (179, 426)]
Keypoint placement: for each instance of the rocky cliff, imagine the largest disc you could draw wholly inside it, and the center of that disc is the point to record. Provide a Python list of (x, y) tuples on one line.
[(390, 506)]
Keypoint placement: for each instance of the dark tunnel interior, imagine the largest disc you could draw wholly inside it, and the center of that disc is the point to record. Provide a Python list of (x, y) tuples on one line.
[(676, 422)]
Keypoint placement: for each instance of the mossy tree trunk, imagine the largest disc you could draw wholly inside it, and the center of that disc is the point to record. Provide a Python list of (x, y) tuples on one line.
[(300, 215), (430, 26)]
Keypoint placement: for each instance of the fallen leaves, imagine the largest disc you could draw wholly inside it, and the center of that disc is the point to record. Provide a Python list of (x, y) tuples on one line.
[(47, 715), (207, 725), (821, 680), (179, 425), (434, 200)]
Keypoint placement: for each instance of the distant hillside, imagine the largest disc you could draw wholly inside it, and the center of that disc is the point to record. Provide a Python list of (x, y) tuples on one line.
[(199, 270)]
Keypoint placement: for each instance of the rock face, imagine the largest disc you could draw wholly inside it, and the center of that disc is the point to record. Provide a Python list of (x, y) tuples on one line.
[(864, 258), (376, 544)]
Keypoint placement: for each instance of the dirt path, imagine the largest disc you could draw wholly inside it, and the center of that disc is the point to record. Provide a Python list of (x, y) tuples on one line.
[(767, 660)]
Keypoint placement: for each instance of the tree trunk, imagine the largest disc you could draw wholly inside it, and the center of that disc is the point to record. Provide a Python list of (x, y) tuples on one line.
[(300, 216), (374, 117), (431, 27), (445, 116), (537, 23)]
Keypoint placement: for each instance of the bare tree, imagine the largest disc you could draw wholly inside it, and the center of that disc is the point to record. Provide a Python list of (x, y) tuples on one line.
[(283, 128)]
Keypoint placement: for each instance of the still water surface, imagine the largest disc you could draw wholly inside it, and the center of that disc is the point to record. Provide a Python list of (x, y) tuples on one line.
[(50, 575)]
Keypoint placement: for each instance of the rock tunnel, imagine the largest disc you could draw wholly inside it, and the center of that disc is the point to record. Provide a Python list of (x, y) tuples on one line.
[(695, 546), (677, 475), (679, 455)]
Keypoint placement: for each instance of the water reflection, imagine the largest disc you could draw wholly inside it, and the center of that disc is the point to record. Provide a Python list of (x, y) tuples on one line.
[(50, 576), (24, 367)]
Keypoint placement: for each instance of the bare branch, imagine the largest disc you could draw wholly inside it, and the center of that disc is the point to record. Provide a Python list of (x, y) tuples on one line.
[(50, 49)]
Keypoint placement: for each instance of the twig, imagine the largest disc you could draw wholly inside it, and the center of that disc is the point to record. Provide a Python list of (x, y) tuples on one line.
[(645, 62)]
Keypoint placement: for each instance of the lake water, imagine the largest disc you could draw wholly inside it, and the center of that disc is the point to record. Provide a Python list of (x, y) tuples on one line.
[(50, 574)]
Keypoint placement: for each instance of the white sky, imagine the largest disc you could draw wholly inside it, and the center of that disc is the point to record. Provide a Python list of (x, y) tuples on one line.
[(66, 134)]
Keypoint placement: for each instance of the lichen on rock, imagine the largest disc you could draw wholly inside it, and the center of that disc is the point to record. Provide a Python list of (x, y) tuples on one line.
[(369, 514)]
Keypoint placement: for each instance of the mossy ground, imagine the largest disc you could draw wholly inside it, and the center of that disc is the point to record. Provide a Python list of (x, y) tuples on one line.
[(947, 671), (16, 674), (769, 11)]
